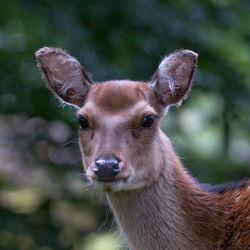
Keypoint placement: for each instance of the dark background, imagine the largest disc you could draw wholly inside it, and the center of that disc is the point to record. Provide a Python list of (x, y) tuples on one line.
[(44, 201)]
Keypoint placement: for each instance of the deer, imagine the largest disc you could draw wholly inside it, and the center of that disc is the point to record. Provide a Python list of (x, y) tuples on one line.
[(156, 203)]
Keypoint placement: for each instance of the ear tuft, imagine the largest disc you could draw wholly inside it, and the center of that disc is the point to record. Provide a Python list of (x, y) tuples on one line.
[(173, 79), (63, 75)]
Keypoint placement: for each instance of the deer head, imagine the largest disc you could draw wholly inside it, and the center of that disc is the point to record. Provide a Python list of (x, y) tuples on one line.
[(119, 134)]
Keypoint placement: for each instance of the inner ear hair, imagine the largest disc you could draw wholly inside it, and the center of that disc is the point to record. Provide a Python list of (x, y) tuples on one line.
[(63, 75), (172, 80)]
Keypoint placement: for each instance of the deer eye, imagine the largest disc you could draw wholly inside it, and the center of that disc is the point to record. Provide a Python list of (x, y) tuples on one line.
[(147, 121), (83, 122)]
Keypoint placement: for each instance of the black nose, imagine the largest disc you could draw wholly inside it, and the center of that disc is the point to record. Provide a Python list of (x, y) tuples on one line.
[(106, 168)]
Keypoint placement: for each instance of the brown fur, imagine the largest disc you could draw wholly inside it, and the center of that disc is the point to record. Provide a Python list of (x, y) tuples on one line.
[(156, 203), (199, 220), (114, 97)]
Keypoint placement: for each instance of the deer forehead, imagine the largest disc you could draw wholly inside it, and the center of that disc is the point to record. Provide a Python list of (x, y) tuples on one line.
[(117, 99), (116, 96)]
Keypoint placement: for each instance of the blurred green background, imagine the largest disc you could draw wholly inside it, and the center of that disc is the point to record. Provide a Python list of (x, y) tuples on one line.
[(44, 201)]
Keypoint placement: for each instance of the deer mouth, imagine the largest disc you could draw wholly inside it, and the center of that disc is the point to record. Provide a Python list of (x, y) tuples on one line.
[(110, 185)]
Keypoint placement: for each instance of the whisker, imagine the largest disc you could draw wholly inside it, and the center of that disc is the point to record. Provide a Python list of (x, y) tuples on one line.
[(81, 175), (74, 140)]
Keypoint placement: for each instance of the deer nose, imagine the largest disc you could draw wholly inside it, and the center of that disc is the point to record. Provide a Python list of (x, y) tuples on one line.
[(106, 168)]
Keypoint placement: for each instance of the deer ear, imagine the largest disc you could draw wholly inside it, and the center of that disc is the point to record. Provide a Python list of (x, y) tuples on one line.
[(173, 78), (64, 75)]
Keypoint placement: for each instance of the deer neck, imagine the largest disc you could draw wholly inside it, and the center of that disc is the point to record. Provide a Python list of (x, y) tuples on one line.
[(172, 213)]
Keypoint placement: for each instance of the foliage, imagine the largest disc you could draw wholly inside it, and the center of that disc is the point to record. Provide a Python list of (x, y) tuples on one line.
[(44, 203)]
